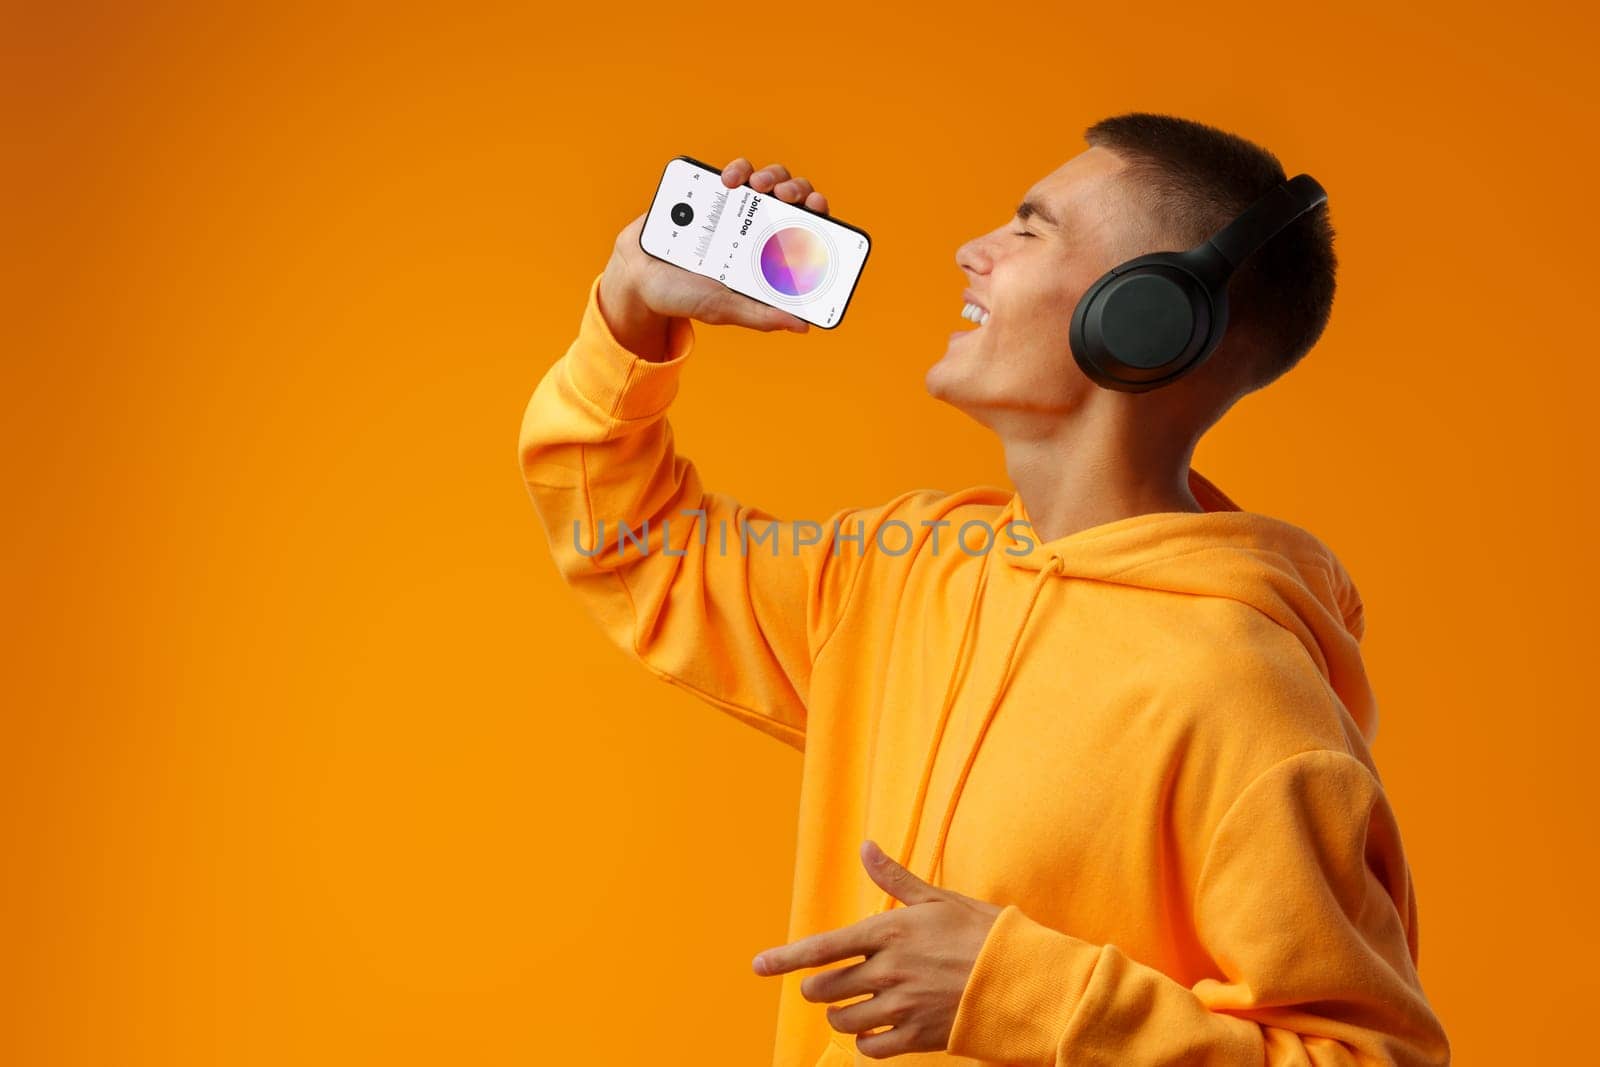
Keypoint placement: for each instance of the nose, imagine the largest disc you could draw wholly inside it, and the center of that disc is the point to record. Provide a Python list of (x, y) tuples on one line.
[(973, 256)]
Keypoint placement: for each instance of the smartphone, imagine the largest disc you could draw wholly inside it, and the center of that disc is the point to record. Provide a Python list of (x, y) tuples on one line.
[(782, 255)]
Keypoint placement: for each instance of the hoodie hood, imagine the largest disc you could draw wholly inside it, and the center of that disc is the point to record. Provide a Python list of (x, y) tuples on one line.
[(1274, 566)]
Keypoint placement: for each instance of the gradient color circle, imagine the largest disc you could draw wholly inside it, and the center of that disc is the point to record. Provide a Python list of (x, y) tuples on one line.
[(794, 261)]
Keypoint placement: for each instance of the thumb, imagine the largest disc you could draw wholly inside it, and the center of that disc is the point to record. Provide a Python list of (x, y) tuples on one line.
[(890, 875), (747, 311)]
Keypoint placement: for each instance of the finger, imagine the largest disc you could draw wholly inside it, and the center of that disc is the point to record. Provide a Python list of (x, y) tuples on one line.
[(861, 938), (731, 307), (628, 238), (793, 191), (896, 1042), (768, 176), (818, 203), (901, 883), (865, 1015), (736, 173), (841, 983), (757, 315)]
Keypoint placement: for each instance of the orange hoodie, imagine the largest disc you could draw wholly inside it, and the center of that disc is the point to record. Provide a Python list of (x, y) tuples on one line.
[(1147, 741)]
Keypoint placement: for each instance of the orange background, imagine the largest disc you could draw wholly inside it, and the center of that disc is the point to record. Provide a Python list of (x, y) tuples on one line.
[(309, 758)]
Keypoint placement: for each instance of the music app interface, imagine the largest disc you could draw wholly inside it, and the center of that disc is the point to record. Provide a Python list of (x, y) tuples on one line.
[(754, 243)]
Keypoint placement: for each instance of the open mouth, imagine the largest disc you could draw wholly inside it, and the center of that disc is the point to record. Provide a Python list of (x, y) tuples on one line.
[(973, 314)]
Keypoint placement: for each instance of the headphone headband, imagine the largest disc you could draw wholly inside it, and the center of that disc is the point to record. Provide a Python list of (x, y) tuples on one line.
[(1264, 219)]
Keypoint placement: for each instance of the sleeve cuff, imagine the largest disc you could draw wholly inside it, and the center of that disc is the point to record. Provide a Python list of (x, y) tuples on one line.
[(617, 381), (1024, 987)]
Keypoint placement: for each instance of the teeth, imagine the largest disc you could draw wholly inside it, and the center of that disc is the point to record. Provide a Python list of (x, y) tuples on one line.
[(974, 313)]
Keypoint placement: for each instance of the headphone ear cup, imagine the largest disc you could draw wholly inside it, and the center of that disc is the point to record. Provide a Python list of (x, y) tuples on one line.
[(1143, 324)]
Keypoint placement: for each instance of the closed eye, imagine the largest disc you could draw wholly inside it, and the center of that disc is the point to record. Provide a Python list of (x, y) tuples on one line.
[(1022, 233)]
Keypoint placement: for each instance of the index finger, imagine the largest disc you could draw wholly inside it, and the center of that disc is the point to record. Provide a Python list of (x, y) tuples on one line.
[(858, 939), (735, 173)]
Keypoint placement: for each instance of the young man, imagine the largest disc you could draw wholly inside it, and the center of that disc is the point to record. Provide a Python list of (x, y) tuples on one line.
[(1115, 729)]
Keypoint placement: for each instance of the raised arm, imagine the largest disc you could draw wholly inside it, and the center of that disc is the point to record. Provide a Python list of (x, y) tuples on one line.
[(719, 598)]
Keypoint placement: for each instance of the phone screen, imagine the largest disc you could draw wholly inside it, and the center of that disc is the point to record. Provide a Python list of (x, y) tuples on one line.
[(797, 260)]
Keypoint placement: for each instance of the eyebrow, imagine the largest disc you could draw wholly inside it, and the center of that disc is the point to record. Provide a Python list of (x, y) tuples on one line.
[(1030, 208)]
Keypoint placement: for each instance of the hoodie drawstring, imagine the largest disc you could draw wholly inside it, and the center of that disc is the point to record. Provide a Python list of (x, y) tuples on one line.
[(944, 715), (963, 657)]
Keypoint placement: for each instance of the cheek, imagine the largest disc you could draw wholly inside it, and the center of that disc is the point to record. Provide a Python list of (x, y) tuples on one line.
[(1035, 344), (1037, 323), (1039, 296)]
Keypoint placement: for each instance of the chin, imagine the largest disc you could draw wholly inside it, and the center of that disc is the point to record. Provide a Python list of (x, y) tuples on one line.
[(948, 377), (944, 383)]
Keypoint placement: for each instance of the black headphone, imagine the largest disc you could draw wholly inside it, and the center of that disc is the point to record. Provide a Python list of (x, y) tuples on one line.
[(1151, 320)]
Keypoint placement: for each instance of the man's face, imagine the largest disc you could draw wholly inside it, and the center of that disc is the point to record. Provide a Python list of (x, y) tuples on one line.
[(1029, 274)]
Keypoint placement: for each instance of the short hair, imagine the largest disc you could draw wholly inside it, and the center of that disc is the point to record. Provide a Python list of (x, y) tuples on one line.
[(1193, 179)]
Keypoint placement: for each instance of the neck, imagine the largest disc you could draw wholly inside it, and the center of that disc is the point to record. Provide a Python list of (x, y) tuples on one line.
[(1096, 466)]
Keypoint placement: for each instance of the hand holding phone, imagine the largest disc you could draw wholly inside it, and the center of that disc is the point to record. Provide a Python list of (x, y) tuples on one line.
[(757, 244), (640, 291)]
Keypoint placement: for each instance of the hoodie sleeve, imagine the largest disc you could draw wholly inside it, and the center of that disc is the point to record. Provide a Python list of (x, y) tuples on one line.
[(1304, 906), (718, 598)]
